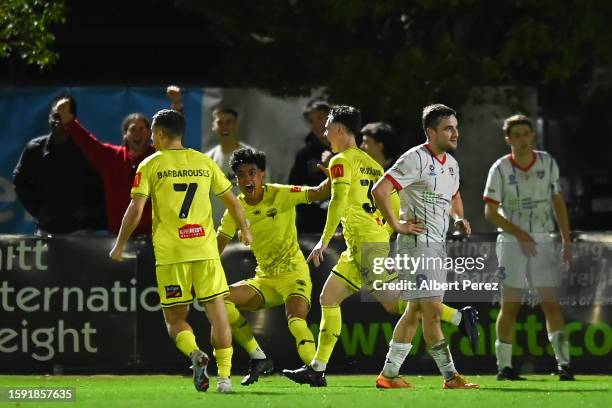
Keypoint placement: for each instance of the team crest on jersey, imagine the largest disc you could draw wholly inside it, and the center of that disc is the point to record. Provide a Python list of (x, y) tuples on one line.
[(540, 174), (451, 170), (137, 177), (173, 291), (272, 212), (512, 179), (337, 170), (296, 189), (191, 231), (257, 212), (432, 170)]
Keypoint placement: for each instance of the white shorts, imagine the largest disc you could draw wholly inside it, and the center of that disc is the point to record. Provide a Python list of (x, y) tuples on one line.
[(516, 270), (432, 272)]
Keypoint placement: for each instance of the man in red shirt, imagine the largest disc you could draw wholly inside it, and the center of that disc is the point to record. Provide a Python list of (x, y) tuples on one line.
[(117, 164)]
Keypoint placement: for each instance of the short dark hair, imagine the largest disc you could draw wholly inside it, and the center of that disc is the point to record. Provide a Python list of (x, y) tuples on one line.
[(316, 105), (383, 133), (133, 117), (432, 114), (171, 121), (247, 156), (66, 95), (228, 111), (516, 120), (348, 116)]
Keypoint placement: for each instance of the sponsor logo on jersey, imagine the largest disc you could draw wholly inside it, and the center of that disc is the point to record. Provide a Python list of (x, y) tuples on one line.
[(432, 170), (337, 170), (296, 189), (540, 174), (173, 291), (272, 212), (191, 231), (257, 212), (137, 177)]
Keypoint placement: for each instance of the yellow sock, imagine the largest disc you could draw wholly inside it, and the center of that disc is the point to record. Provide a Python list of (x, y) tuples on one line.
[(402, 305), (224, 361), (447, 314), (241, 331), (186, 342), (331, 324), (304, 340)]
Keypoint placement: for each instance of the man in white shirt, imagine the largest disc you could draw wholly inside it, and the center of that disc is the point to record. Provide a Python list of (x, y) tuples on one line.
[(427, 181), (225, 128), (521, 194)]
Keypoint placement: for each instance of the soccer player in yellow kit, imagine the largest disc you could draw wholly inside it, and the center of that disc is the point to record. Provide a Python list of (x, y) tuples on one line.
[(282, 275), (178, 181), (353, 173)]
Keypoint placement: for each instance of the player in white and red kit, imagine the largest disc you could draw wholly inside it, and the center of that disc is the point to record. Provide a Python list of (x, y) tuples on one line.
[(521, 194)]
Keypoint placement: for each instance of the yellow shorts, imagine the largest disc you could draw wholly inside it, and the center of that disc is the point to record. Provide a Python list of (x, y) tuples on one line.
[(175, 282), (355, 265), (274, 290)]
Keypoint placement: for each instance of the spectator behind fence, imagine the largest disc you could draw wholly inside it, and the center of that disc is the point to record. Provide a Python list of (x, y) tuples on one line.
[(380, 142), (225, 128), (311, 218), (117, 164), (56, 184)]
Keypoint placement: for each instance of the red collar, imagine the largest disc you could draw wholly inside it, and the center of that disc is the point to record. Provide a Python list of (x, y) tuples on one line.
[(435, 156), (518, 166)]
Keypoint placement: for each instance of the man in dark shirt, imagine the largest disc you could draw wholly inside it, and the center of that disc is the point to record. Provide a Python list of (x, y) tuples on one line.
[(56, 184), (311, 218)]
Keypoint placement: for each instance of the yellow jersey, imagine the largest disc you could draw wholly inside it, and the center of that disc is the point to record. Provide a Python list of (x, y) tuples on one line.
[(178, 182), (361, 220), (272, 223)]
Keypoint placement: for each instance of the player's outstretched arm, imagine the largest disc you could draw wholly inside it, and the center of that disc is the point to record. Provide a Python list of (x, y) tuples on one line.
[(461, 224), (237, 213), (528, 245), (130, 221), (558, 203), (320, 192), (382, 196)]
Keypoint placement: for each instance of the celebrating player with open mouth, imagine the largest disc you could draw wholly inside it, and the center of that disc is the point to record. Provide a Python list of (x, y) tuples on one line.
[(282, 275)]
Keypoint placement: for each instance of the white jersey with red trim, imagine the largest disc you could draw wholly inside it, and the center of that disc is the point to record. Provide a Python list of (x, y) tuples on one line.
[(524, 193), (426, 188)]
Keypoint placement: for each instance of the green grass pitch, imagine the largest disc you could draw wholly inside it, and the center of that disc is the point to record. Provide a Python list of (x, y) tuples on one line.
[(353, 391)]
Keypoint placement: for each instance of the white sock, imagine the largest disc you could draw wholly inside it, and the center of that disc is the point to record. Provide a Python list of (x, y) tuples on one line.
[(456, 318), (503, 351), (560, 345), (318, 365), (441, 354), (257, 354), (395, 358)]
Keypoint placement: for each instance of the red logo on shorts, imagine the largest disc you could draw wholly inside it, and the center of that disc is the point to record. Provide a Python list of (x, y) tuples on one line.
[(337, 170), (296, 189), (136, 182), (191, 231)]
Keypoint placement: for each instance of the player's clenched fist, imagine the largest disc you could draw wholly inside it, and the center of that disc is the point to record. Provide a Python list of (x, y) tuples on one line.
[(63, 109)]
